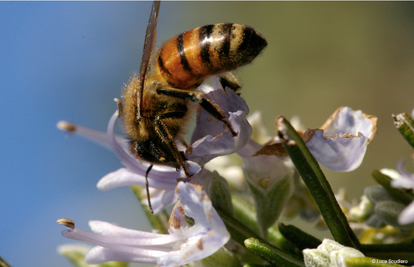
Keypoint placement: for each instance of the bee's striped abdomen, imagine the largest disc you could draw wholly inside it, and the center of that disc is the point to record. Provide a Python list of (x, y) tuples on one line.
[(186, 60)]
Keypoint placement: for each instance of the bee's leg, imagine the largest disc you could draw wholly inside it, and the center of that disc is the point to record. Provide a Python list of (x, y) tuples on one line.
[(198, 98), (166, 137), (147, 188), (228, 79)]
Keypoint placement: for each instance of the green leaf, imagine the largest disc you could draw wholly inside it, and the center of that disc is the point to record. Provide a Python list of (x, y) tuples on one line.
[(270, 203), (158, 222), (405, 125), (402, 251), (272, 254), (385, 181), (244, 212), (368, 262), (255, 265), (223, 257), (219, 193), (317, 184), (298, 237), (388, 212), (238, 231)]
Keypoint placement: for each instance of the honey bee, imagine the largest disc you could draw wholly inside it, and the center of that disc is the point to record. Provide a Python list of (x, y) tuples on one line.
[(156, 102)]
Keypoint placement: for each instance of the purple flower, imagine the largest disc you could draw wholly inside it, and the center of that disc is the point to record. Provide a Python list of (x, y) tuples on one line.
[(183, 244), (341, 143), (211, 138)]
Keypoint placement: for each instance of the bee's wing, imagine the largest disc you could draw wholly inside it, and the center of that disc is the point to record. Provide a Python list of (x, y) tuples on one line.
[(149, 44)]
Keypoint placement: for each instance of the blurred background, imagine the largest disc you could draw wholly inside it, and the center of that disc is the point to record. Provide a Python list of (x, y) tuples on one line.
[(68, 60)]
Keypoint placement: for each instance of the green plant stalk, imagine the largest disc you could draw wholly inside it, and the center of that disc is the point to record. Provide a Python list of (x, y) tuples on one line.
[(405, 125), (273, 254), (158, 222), (298, 237), (369, 262), (403, 251), (239, 233), (244, 212), (317, 184)]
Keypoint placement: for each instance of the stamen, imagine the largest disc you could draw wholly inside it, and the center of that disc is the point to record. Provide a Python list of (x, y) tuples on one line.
[(67, 222), (120, 108), (66, 126)]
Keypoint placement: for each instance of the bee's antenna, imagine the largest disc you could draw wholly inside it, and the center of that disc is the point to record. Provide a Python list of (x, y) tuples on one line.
[(147, 188)]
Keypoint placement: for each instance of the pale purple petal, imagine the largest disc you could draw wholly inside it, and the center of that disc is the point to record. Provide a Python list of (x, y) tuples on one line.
[(206, 236), (99, 255), (125, 177), (407, 215), (211, 138), (181, 246), (406, 179), (98, 137), (412, 114), (160, 199), (342, 145)]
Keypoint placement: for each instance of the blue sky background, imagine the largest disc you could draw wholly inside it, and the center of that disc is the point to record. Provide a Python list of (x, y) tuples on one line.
[(68, 60)]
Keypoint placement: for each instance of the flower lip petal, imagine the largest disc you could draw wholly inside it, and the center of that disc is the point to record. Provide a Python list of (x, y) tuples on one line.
[(341, 143), (125, 177), (205, 237), (345, 122), (211, 138), (180, 247), (407, 215)]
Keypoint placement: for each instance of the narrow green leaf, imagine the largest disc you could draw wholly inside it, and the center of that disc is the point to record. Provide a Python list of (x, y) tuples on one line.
[(255, 265), (158, 222), (276, 238), (238, 231), (244, 212), (273, 254), (317, 184), (222, 257), (368, 262), (388, 212), (405, 125), (385, 181), (298, 237), (219, 193), (403, 251)]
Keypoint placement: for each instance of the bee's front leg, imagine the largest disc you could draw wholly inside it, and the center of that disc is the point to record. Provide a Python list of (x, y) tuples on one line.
[(198, 98), (168, 138)]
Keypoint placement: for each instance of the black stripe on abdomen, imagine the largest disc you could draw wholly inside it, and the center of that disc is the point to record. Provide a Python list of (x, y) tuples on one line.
[(204, 36), (181, 51)]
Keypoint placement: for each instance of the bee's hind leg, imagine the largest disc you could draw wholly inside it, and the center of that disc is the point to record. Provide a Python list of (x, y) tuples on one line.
[(228, 79)]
